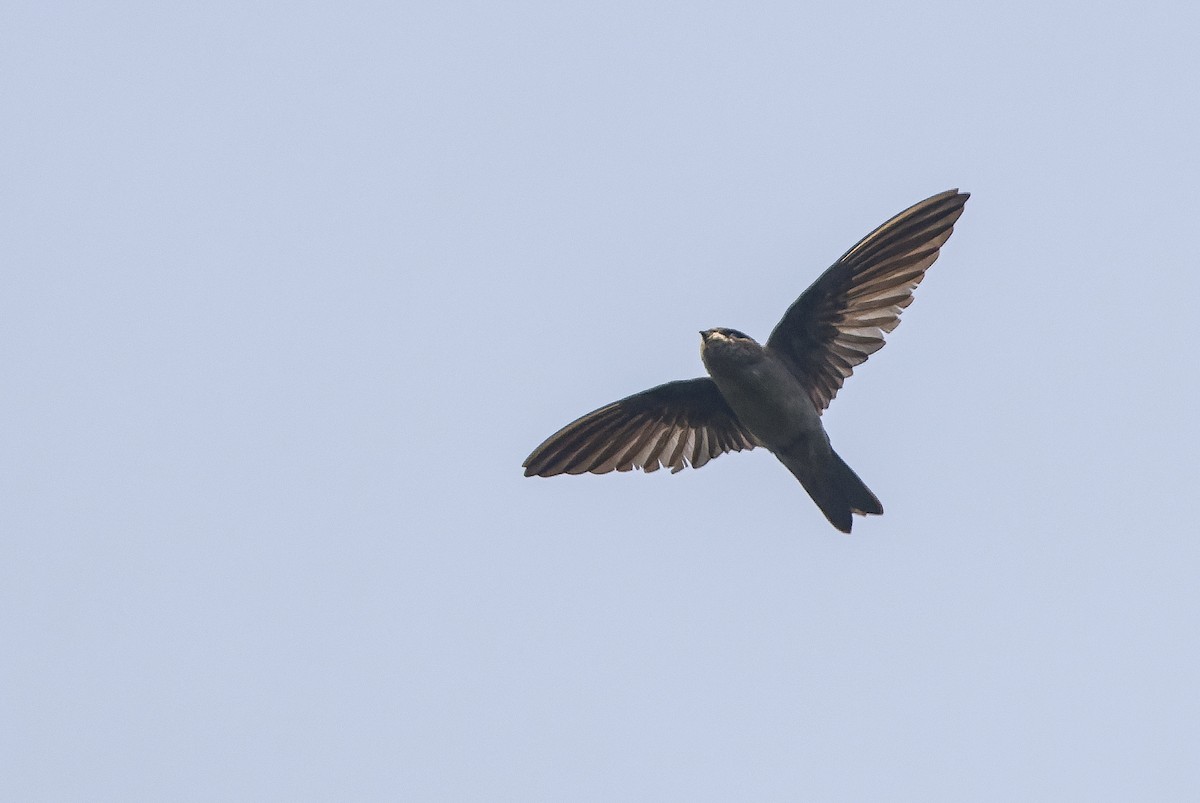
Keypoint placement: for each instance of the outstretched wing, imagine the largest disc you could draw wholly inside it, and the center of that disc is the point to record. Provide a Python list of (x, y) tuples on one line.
[(673, 425), (841, 319)]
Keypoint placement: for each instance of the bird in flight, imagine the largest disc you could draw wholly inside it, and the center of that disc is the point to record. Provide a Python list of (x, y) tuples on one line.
[(772, 395)]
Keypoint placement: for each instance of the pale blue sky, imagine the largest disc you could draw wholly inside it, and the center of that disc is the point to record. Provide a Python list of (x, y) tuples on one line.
[(292, 289)]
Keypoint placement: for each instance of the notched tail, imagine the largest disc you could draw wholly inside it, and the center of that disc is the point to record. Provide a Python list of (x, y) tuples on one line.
[(835, 488)]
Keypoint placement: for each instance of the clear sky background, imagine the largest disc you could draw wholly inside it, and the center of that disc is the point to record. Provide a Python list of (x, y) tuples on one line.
[(291, 290)]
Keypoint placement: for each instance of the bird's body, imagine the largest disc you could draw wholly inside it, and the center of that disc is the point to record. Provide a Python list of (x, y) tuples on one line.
[(772, 395), (761, 390), (770, 400)]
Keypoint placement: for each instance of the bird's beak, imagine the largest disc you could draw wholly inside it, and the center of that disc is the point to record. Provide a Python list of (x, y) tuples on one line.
[(704, 333)]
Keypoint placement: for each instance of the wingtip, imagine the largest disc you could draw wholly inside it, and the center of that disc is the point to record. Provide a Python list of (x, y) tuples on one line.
[(953, 192)]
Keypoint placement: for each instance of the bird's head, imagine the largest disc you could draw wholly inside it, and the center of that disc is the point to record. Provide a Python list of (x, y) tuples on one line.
[(728, 344)]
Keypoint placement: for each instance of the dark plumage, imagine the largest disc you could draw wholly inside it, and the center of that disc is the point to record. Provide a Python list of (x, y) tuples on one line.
[(772, 395)]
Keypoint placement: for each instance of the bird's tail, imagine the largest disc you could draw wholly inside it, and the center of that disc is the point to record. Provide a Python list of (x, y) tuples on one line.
[(834, 486)]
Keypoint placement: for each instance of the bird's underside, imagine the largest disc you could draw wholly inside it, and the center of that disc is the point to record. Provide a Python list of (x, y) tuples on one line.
[(771, 395)]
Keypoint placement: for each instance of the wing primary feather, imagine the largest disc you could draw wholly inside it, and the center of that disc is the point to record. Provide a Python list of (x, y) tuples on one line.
[(660, 443), (607, 458), (575, 451)]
